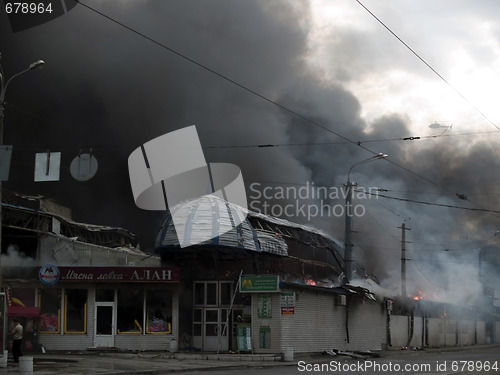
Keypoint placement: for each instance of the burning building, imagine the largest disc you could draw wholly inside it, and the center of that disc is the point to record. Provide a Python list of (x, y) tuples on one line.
[(76, 286), (279, 280), (266, 285)]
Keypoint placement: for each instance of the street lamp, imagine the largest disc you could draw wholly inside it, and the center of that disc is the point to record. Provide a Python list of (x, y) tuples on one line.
[(348, 216), (4, 83)]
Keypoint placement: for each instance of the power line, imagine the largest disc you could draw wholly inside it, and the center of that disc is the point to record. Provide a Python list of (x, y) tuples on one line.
[(428, 65), (225, 78), (480, 209), (263, 97), (277, 145)]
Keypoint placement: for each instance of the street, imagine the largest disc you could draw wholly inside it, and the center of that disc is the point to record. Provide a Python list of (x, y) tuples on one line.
[(469, 361)]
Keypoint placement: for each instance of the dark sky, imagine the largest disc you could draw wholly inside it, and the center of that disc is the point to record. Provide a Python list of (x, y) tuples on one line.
[(109, 89)]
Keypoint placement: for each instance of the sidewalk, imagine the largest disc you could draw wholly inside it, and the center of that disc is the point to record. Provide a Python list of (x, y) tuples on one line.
[(153, 363)]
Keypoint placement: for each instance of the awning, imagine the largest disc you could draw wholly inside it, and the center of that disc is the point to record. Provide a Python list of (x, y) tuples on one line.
[(25, 311)]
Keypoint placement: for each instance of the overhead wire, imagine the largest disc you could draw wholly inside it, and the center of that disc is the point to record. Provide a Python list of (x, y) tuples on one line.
[(480, 209), (263, 97), (224, 77), (427, 64), (273, 145), (303, 117)]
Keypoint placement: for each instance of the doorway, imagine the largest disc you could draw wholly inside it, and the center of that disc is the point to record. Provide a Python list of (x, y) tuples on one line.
[(212, 300), (104, 336)]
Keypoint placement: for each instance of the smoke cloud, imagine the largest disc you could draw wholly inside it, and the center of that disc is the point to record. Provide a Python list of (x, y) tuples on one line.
[(108, 89)]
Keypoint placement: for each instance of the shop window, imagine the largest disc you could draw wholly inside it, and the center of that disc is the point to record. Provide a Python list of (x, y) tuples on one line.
[(23, 297), (50, 310), (130, 310), (75, 311), (159, 311)]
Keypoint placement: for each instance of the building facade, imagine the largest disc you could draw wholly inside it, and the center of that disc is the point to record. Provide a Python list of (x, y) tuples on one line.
[(266, 286), (78, 286)]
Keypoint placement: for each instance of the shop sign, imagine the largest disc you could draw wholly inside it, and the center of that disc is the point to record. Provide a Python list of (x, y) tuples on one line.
[(117, 274), (255, 284), (244, 333), (49, 274), (287, 310), (265, 337), (264, 307), (287, 299), (287, 303)]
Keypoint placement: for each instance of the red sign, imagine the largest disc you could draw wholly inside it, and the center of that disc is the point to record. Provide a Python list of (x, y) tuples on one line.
[(120, 274), (287, 310)]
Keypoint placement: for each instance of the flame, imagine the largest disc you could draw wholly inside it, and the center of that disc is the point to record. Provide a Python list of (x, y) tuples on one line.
[(420, 295), (310, 282)]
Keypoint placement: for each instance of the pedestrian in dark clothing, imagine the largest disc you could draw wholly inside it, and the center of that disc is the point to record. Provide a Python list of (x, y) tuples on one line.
[(17, 338)]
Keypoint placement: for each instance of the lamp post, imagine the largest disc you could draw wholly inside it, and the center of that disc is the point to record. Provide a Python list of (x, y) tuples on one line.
[(348, 216), (4, 83)]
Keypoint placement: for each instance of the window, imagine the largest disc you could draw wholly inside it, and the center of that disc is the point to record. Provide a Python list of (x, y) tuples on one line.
[(75, 311), (225, 293), (130, 310), (159, 311), (50, 310), (23, 297)]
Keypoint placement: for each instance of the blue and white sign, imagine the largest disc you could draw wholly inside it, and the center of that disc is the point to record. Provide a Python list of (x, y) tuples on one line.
[(49, 274)]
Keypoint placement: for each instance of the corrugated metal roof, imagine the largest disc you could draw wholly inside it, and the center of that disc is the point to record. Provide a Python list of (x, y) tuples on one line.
[(208, 217), (214, 218)]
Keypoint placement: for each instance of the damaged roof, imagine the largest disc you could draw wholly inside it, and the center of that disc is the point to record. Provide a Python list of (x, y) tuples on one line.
[(202, 218)]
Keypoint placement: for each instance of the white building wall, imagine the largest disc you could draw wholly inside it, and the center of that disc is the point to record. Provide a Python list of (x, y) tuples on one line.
[(435, 328), (450, 332), (417, 340), (481, 332), (466, 332), (316, 325), (319, 323), (497, 332), (399, 331), (367, 325)]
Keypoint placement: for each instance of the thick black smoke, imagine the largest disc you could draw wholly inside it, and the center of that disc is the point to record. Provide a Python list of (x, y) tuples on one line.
[(109, 89)]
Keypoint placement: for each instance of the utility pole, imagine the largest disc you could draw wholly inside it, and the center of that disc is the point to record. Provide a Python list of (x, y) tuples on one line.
[(4, 83), (348, 218), (348, 230), (403, 258)]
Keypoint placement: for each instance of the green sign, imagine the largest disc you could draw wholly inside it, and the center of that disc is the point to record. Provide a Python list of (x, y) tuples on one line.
[(264, 307), (265, 337), (244, 332), (255, 284)]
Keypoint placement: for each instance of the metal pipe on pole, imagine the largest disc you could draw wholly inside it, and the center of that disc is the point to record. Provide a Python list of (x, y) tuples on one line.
[(3, 89)]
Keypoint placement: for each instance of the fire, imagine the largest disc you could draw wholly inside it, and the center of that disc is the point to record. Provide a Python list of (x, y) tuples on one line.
[(310, 282), (420, 295)]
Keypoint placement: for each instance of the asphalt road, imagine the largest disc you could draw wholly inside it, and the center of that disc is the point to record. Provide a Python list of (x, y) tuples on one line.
[(469, 361)]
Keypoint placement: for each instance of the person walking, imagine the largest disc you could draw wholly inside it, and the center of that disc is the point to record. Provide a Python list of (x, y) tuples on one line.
[(17, 338)]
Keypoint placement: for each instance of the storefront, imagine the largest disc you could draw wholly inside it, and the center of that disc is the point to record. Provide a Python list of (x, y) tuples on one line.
[(76, 308)]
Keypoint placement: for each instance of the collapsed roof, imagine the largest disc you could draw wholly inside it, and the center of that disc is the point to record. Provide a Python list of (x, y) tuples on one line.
[(307, 249)]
